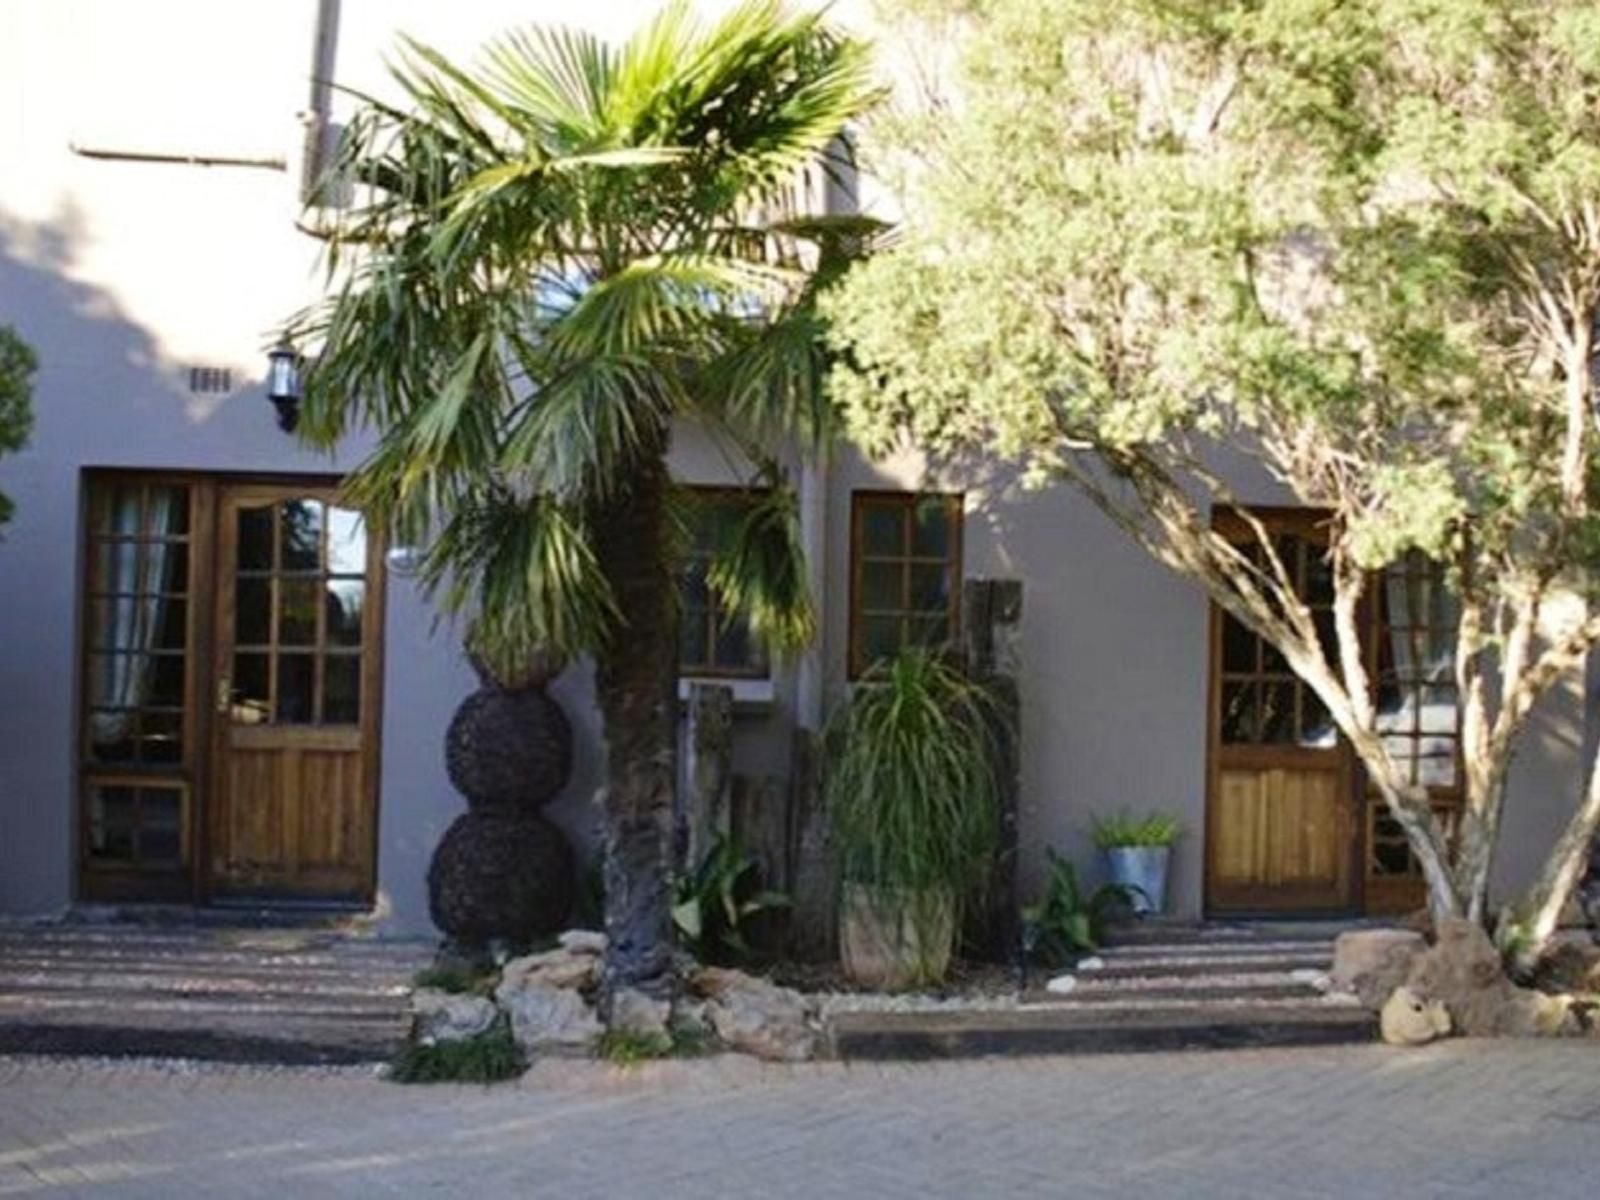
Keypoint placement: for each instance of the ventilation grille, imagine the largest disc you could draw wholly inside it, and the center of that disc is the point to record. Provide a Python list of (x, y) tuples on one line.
[(210, 381)]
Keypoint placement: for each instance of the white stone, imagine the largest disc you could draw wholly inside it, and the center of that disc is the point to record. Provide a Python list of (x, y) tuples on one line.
[(1312, 978), (1093, 963), (757, 1017), (583, 941), (449, 1017), (552, 968), (1061, 984), (545, 1019)]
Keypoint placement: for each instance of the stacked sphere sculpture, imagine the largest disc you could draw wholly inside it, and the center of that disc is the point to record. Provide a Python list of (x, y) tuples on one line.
[(502, 872)]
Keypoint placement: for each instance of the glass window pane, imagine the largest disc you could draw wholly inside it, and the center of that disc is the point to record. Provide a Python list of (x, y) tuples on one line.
[(1319, 578), (252, 695), (116, 507), (928, 631), (160, 847), (1238, 647), (1317, 729), (1327, 637), (345, 601), (1277, 714), (883, 529), (161, 737), (252, 611), (119, 567), (882, 586), (172, 624), (880, 638), (347, 542), (930, 588), (341, 683), (167, 510), (696, 592), (1238, 724), (297, 612), (255, 539), (111, 817), (694, 639), (1272, 660), (165, 683), (168, 567), (300, 535), (296, 684), (733, 647), (119, 680), (1437, 771), (113, 735), (930, 530), (1439, 713)]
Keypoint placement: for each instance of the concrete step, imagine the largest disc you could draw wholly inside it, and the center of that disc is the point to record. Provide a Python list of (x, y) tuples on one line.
[(1080, 1029), (1101, 983), (1240, 964)]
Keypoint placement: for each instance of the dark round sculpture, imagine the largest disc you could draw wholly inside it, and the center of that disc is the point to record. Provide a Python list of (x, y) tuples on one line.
[(510, 750), (501, 875)]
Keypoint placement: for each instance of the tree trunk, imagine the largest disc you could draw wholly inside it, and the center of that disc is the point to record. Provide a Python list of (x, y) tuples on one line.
[(1562, 869), (634, 681)]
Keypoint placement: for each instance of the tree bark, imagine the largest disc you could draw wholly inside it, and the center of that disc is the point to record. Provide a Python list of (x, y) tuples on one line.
[(635, 683)]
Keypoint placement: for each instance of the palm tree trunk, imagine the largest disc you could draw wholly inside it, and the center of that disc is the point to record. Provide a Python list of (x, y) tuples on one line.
[(634, 682)]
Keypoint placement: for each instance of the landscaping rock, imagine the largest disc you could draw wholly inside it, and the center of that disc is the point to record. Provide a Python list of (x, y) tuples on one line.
[(1371, 963), (757, 1017), (549, 1019), (1409, 1020), (448, 1017), (1060, 985), (633, 1012), (1463, 972), (552, 968), (1571, 965), (583, 941)]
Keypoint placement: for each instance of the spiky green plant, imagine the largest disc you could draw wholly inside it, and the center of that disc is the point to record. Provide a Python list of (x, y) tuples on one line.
[(911, 783), (558, 256)]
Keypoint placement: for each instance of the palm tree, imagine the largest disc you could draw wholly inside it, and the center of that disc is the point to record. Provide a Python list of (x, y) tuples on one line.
[(556, 257)]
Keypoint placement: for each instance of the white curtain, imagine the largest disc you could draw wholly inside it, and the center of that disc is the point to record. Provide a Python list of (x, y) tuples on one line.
[(131, 621)]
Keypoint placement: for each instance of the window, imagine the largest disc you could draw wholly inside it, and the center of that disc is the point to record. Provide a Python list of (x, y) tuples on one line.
[(711, 640), (1263, 701), (1418, 713), (138, 649), (905, 555)]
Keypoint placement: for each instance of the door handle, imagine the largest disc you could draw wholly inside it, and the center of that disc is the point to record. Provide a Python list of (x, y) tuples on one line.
[(224, 694)]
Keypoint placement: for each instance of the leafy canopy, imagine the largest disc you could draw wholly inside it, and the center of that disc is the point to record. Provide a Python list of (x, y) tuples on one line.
[(17, 365), (557, 253)]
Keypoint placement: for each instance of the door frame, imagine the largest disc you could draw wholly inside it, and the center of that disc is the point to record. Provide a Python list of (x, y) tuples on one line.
[(201, 729), (1351, 785)]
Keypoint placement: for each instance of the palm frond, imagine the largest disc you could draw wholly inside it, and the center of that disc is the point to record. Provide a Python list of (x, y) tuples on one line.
[(760, 571)]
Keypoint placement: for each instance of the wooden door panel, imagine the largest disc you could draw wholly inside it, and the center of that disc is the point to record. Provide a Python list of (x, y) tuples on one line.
[(1280, 830), (298, 637)]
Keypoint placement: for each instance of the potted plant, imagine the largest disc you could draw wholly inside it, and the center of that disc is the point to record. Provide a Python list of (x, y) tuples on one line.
[(1138, 851), (911, 787)]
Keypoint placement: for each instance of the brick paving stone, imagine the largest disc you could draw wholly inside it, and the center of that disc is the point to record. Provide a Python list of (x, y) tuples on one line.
[(1461, 1119)]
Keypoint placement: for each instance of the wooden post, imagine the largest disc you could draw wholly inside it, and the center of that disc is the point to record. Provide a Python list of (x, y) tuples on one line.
[(708, 768), (813, 887), (991, 642)]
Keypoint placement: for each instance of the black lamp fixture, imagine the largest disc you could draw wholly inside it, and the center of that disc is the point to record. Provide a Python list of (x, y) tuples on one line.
[(283, 384)]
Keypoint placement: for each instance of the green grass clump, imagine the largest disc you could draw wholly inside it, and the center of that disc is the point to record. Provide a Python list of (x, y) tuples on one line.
[(459, 981), (624, 1048), (491, 1057)]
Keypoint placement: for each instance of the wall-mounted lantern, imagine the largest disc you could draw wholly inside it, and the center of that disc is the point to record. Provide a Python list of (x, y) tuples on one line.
[(283, 384)]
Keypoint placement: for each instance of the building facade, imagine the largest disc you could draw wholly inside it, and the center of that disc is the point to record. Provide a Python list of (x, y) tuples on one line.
[(220, 689)]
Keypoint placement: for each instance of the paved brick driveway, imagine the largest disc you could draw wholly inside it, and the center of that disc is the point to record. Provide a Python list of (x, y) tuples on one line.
[(1462, 1119)]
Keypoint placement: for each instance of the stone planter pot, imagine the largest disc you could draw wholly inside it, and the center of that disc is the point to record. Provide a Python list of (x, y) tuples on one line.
[(1143, 869), (892, 939)]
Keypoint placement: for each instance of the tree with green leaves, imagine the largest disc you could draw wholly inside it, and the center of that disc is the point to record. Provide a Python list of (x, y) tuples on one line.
[(17, 365), (558, 257), (1351, 247)]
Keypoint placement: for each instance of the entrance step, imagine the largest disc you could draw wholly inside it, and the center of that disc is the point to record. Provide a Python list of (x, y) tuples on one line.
[(1165, 987), (290, 993)]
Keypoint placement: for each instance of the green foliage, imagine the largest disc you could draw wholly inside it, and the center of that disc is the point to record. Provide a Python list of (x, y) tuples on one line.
[(1068, 923), (556, 255), (714, 902), (1355, 241), (17, 366), (491, 1057), (1121, 829), (910, 778), (457, 980), (624, 1048)]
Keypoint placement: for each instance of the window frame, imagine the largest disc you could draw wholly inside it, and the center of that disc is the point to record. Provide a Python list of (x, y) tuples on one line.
[(711, 493), (955, 514)]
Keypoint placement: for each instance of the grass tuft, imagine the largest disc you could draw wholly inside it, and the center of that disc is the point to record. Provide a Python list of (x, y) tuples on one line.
[(623, 1048), (491, 1057)]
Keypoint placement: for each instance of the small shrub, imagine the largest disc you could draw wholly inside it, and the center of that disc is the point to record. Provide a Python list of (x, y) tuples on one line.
[(1066, 922), (1157, 829), (457, 980), (491, 1057), (624, 1048), (713, 903)]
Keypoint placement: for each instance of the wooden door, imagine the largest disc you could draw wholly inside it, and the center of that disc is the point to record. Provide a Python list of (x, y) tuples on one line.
[(1281, 828), (293, 805)]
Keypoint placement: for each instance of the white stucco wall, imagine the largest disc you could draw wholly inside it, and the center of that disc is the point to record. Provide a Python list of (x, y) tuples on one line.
[(124, 275)]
